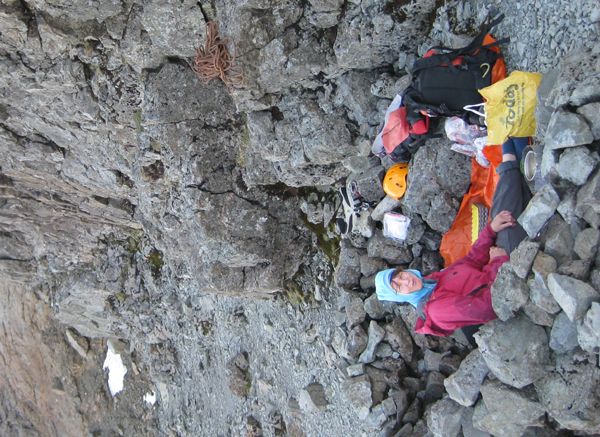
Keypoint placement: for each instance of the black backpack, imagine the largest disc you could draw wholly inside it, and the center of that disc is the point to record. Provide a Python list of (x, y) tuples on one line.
[(445, 81)]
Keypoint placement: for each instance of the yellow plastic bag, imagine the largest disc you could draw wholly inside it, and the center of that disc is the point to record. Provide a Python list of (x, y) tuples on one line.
[(510, 104)]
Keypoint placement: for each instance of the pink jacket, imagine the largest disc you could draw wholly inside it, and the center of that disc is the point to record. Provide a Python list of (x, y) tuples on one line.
[(462, 294)]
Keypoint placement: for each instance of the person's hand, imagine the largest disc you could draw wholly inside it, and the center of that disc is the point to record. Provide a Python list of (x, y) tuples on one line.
[(497, 251), (502, 220)]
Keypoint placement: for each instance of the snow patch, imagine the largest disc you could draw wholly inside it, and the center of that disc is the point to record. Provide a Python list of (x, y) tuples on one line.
[(116, 371), (150, 397)]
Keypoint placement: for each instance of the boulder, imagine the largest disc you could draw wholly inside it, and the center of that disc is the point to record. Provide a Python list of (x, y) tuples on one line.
[(358, 392), (387, 204), (399, 338), (567, 129), (539, 210), (374, 307), (578, 82), (589, 331), (390, 250), (591, 114), (577, 269), (368, 184), (355, 313), (444, 418), (356, 342), (523, 256), (574, 297), (509, 292), (413, 413), (376, 334), (570, 393), (586, 243), (540, 294), (538, 315), (432, 360), (588, 207), (464, 385), (563, 336), (313, 399), (434, 388), (510, 411), (516, 351), (558, 240), (468, 429), (347, 273), (576, 164), (370, 266)]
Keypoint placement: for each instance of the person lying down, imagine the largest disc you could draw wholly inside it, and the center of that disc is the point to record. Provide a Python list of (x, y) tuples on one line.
[(460, 295)]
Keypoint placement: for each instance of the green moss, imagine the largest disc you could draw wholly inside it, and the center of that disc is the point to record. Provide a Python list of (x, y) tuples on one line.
[(156, 262), (137, 119), (294, 293)]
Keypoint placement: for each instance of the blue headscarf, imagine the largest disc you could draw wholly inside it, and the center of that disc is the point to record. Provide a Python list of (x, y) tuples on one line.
[(383, 287)]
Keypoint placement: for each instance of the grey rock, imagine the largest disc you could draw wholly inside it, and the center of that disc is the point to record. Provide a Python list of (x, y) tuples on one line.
[(405, 431), (356, 342), (548, 166), (468, 429), (413, 413), (77, 342), (387, 204), (400, 398), (388, 249), (566, 207), (431, 261), (385, 87), (587, 201), (312, 398), (355, 370), (523, 256), (586, 243), (443, 210), (538, 315), (355, 313), (573, 296), (576, 164), (566, 129), (589, 331), (464, 385), (339, 343), (375, 419), (577, 269), (509, 292), (432, 360), (540, 294), (578, 80), (367, 282), (383, 350), (399, 338), (543, 111), (434, 388), (374, 307), (577, 380), (370, 266), (369, 185), (591, 113), (510, 411), (595, 278), (558, 240), (438, 175), (516, 351), (376, 334), (347, 273), (539, 210), (416, 230), (358, 392), (450, 364), (563, 336), (444, 418), (364, 224), (431, 240)]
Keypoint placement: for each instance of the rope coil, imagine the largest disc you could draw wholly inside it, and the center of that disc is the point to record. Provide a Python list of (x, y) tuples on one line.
[(214, 60)]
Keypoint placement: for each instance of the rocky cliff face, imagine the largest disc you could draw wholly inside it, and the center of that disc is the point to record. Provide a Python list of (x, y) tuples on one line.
[(139, 203)]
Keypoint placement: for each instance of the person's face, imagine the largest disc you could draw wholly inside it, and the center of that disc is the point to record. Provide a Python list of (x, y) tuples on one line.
[(406, 283)]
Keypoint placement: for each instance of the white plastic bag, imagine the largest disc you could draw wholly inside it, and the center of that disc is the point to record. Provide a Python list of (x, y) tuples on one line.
[(458, 130), (474, 150), (395, 226)]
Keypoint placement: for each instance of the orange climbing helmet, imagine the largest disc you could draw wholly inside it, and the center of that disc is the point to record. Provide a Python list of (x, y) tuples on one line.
[(394, 182)]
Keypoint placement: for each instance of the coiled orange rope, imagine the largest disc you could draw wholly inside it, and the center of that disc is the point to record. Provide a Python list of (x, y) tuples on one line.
[(214, 60)]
